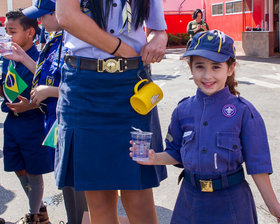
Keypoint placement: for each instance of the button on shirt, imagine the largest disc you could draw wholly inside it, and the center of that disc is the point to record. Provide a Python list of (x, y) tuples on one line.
[(136, 38), (235, 133)]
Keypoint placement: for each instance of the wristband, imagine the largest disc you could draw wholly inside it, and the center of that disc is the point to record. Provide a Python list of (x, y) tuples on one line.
[(117, 48)]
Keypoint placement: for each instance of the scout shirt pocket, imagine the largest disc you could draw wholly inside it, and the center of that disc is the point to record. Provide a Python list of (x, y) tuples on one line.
[(186, 152), (229, 157)]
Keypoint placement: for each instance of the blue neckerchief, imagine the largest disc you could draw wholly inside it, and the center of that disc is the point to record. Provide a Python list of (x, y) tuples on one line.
[(54, 42)]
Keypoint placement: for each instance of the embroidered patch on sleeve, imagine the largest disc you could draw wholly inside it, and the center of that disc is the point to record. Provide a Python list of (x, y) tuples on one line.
[(169, 137)]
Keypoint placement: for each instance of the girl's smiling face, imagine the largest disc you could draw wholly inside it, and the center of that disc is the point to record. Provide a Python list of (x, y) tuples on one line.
[(209, 76)]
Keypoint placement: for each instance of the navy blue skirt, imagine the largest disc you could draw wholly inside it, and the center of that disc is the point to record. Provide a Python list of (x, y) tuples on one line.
[(233, 205), (95, 119)]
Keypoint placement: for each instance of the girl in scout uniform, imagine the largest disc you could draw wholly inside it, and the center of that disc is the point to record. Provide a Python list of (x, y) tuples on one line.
[(211, 134), (94, 104)]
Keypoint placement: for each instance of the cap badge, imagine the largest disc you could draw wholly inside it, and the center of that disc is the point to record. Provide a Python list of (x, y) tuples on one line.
[(229, 110), (210, 37)]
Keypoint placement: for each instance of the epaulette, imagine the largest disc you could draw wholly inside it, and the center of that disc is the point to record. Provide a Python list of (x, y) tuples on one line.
[(247, 103), (185, 98)]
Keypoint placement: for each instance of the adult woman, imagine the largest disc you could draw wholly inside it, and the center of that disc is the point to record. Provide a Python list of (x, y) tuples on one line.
[(197, 25), (94, 114)]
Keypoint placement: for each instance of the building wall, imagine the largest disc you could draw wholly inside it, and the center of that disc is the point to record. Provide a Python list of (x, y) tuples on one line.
[(3, 7), (15, 4), (234, 24), (21, 3), (187, 5)]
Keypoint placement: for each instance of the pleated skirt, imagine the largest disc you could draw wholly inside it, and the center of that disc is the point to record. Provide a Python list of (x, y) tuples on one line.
[(95, 120)]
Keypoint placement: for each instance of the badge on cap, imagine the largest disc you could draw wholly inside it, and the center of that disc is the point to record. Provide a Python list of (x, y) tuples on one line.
[(229, 110), (210, 37)]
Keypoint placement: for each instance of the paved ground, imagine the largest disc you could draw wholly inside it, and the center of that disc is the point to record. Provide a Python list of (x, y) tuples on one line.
[(259, 82)]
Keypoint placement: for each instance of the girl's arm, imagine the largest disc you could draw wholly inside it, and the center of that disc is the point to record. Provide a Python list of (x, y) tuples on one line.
[(160, 158), (264, 185), (73, 20)]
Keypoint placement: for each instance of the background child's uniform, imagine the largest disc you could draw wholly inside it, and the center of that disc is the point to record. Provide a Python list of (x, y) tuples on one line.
[(212, 136), (48, 73), (24, 133)]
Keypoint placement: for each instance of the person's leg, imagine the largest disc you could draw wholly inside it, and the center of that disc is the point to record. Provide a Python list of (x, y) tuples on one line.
[(35, 194), (102, 206), (139, 206), (23, 181), (75, 204)]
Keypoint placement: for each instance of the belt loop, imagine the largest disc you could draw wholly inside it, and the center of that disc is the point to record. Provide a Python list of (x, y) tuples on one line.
[(224, 181), (78, 63), (141, 67), (192, 177)]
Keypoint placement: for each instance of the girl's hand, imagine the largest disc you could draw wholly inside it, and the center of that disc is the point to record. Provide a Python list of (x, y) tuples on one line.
[(152, 156), (39, 93), (275, 211), (22, 106)]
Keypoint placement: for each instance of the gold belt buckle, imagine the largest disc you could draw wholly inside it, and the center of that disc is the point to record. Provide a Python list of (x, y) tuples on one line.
[(109, 65), (206, 185)]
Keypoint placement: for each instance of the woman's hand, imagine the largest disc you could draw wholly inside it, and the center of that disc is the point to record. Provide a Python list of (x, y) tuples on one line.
[(22, 106), (154, 50)]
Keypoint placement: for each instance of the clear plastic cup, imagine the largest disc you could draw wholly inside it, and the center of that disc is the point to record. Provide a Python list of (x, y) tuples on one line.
[(141, 145), (5, 45)]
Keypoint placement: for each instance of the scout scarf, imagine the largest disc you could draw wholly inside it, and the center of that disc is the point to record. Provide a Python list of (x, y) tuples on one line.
[(54, 42)]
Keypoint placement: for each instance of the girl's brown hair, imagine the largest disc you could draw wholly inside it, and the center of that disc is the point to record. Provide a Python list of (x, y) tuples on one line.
[(231, 82)]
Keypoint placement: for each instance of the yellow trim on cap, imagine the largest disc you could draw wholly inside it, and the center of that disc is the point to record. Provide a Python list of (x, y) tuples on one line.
[(39, 4), (199, 40), (234, 50), (220, 46)]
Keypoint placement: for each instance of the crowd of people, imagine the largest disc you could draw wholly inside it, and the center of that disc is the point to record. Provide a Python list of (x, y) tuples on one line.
[(83, 78)]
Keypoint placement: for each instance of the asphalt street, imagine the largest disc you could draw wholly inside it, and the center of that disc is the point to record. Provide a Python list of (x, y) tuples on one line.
[(259, 82)]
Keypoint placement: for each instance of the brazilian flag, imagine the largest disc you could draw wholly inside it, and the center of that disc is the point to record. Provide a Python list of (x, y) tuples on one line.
[(14, 84), (51, 138)]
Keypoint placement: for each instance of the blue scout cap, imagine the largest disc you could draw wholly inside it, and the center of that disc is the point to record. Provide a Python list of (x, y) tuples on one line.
[(213, 45), (41, 7)]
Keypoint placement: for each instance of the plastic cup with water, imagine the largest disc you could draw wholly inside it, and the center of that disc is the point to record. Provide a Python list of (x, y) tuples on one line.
[(141, 145), (5, 45)]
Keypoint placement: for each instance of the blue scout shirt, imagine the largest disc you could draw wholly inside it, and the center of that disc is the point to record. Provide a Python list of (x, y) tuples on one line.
[(50, 73), (24, 73), (215, 134), (135, 38)]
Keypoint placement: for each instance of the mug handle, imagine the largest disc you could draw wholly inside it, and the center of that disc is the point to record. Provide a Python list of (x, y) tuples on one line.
[(138, 83)]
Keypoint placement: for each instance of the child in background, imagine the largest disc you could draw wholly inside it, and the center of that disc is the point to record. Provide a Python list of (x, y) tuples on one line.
[(211, 134), (24, 130)]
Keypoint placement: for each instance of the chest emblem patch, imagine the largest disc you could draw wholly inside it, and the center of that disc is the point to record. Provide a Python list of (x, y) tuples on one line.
[(229, 110)]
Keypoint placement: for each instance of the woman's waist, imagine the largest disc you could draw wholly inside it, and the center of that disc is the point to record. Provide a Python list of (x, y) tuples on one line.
[(110, 65)]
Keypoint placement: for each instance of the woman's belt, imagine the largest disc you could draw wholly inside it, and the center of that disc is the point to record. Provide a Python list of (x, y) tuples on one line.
[(210, 185), (110, 65)]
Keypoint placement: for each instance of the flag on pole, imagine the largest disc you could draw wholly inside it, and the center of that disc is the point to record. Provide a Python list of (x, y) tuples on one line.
[(14, 84), (51, 138)]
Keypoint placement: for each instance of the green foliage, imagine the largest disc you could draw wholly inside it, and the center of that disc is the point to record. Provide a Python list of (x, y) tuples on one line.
[(177, 39)]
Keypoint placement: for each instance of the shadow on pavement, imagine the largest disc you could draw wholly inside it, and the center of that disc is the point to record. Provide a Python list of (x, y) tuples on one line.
[(6, 196), (272, 60), (164, 77)]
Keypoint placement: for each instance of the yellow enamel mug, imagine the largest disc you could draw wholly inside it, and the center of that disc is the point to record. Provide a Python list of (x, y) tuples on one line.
[(146, 98)]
